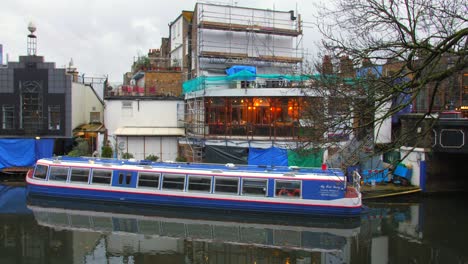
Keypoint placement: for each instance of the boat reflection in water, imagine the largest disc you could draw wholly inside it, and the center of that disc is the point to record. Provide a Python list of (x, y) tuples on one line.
[(146, 231)]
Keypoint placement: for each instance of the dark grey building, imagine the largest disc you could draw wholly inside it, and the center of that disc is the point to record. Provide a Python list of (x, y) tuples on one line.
[(35, 99)]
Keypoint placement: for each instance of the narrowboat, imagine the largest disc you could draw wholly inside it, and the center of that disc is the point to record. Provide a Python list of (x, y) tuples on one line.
[(265, 189)]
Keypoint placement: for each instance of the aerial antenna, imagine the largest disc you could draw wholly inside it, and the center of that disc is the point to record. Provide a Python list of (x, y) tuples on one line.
[(32, 40)]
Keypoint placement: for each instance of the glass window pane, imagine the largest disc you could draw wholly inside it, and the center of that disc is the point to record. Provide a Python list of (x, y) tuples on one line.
[(148, 180), (58, 174), (226, 185), (40, 172), (290, 189), (79, 175), (199, 183), (254, 187), (173, 182), (102, 177)]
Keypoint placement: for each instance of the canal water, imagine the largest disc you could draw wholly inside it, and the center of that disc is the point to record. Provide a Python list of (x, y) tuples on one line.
[(417, 230)]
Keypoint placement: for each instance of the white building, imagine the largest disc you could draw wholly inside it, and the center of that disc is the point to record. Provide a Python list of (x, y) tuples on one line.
[(144, 126)]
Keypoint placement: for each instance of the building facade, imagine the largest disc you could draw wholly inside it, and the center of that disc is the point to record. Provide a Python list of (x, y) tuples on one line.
[(144, 126)]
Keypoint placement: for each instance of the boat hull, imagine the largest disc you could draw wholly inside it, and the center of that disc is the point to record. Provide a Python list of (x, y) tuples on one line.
[(161, 199)]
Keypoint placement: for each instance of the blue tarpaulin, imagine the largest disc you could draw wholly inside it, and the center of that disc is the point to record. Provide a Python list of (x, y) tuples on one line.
[(239, 68), (271, 156), (24, 152)]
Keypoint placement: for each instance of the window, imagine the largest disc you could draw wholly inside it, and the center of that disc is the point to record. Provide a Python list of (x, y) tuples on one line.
[(58, 173), (54, 117), (199, 183), (79, 175), (40, 172), (31, 109), (95, 117), (148, 180), (127, 109), (102, 177), (173, 182), (125, 178), (290, 189), (8, 117), (254, 187), (226, 185)]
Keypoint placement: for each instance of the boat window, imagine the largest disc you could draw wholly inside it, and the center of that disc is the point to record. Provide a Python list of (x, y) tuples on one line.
[(254, 187), (173, 182), (148, 180), (226, 185), (101, 177), (290, 189), (128, 179), (79, 175), (58, 173), (40, 172), (199, 183), (121, 176)]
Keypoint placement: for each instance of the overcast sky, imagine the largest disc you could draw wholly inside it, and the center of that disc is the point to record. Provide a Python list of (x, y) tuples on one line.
[(103, 36)]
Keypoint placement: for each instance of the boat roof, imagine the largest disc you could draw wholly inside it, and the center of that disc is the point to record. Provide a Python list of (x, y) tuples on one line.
[(229, 167)]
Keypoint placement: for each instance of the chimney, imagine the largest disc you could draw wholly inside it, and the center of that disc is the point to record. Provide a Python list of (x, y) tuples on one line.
[(327, 66)]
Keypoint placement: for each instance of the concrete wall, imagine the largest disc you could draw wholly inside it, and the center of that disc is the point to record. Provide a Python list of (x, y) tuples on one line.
[(84, 101)]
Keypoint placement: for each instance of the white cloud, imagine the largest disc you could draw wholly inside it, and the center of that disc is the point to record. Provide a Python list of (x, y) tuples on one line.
[(103, 36)]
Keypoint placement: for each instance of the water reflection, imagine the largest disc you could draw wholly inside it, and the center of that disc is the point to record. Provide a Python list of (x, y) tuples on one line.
[(426, 230), (151, 234), (423, 230)]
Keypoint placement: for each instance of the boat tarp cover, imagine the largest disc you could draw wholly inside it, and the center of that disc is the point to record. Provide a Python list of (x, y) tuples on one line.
[(223, 154), (24, 152), (305, 157), (270, 156)]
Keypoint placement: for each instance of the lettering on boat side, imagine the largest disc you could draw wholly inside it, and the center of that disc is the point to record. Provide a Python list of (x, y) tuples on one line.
[(329, 190)]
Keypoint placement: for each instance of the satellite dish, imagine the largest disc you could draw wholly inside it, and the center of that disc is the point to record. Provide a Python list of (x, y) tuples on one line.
[(121, 145)]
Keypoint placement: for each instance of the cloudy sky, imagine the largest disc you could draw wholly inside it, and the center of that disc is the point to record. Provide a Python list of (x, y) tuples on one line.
[(103, 36)]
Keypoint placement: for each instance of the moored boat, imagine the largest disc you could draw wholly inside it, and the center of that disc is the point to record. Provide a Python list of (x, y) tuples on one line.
[(285, 190)]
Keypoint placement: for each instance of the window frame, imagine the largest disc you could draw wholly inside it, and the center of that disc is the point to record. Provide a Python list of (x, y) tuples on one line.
[(288, 191), (191, 176), (164, 175), (82, 182), (216, 178), (45, 174), (254, 180), (158, 174), (92, 176), (61, 167)]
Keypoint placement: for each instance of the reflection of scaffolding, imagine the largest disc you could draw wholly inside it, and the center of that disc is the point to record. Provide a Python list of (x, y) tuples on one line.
[(268, 37)]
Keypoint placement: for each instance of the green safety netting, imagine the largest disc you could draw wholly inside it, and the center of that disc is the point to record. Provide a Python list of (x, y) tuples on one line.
[(305, 158), (205, 82)]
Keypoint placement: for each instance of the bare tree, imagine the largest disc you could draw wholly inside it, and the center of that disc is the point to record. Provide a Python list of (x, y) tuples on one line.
[(422, 43)]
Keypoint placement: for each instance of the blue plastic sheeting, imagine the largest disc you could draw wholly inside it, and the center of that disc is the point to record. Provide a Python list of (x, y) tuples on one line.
[(44, 148), (402, 171), (375, 70), (13, 200), (238, 68), (271, 156), (24, 152), (376, 176)]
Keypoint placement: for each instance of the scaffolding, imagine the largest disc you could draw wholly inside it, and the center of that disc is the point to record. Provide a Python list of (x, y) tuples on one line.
[(238, 35), (223, 36)]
